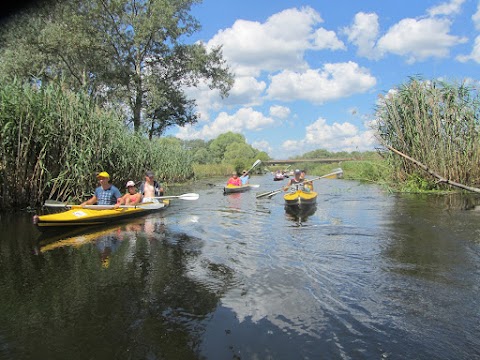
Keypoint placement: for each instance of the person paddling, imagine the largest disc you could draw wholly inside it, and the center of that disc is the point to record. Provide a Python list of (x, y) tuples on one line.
[(234, 180), (106, 193), (295, 183), (132, 197), (245, 177)]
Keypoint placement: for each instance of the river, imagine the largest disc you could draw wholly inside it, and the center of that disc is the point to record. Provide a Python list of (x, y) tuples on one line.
[(367, 275)]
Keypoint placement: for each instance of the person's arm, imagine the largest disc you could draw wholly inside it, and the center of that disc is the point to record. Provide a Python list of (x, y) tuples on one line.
[(91, 201), (288, 185), (136, 199), (120, 201), (117, 194)]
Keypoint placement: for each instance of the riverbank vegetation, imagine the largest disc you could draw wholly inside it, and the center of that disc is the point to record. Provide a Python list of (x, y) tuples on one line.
[(368, 166), (54, 141), (435, 123), (85, 84)]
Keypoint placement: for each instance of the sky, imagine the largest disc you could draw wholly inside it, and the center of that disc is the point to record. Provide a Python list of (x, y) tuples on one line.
[(308, 74)]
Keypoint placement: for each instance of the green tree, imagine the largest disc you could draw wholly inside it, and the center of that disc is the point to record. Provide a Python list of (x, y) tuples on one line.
[(238, 151), (262, 155), (202, 156), (218, 146), (130, 54)]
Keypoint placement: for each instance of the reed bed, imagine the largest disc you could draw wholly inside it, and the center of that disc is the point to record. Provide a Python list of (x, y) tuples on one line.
[(435, 123), (54, 141), (208, 170)]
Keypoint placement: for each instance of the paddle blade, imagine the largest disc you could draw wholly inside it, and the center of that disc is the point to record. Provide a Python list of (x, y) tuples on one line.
[(55, 203), (189, 196)]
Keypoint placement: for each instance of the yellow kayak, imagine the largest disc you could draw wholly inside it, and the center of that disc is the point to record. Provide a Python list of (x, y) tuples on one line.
[(89, 215), (300, 198)]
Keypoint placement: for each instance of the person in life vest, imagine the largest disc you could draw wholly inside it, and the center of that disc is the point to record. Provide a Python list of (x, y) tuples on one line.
[(295, 183), (234, 180)]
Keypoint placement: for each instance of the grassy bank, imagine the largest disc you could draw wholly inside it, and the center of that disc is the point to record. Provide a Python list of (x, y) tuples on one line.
[(54, 142)]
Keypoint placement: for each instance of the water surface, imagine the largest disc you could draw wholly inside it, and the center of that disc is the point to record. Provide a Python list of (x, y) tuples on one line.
[(367, 275)]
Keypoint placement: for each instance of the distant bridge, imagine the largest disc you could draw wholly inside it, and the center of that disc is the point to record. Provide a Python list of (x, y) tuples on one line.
[(297, 161)]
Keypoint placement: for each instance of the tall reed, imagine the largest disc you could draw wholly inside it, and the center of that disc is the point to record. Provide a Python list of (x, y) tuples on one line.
[(435, 123), (54, 142)]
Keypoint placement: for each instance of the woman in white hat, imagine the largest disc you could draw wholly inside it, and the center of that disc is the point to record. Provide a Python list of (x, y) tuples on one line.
[(132, 197)]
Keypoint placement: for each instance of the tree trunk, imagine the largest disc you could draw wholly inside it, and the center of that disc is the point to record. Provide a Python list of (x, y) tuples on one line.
[(440, 178)]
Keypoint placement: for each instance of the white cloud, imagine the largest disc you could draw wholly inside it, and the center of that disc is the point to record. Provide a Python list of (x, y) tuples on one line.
[(325, 39), (416, 39), (243, 119), (262, 145), (476, 17), (251, 47), (447, 8), (363, 33), (280, 112), (334, 81), (246, 91), (206, 99), (419, 39), (474, 55), (336, 137)]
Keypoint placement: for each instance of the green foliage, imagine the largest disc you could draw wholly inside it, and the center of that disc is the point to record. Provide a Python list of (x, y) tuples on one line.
[(129, 56), (227, 152), (209, 170), (316, 154), (202, 156), (218, 146), (54, 141), (435, 123)]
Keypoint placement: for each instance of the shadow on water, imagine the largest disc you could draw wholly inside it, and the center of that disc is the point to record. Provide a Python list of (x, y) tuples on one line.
[(118, 292), (300, 215)]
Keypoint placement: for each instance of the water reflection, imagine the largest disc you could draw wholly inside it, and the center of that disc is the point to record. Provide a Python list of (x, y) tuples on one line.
[(124, 291), (370, 275), (300, 215)]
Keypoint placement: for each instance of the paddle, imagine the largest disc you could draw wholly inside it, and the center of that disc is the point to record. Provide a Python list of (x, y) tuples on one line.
[(54, 203), (189, 196), (274, 192), (254, 164)]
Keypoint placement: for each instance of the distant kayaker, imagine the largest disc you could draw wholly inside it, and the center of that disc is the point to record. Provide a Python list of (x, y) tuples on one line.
[(245, 177), (150, 188), (234, 180), (295, 183), (132, 197), (106, 193)]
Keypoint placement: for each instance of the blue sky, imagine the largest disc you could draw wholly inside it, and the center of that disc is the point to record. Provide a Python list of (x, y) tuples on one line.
[(308, 73)]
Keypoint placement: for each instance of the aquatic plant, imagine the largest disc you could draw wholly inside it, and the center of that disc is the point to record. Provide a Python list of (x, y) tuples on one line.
[(54, 141), (435, 123)]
